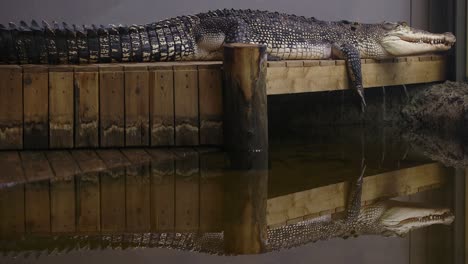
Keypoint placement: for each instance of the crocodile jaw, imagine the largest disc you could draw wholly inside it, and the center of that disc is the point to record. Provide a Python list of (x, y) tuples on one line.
[(405, 43), (402, 217)]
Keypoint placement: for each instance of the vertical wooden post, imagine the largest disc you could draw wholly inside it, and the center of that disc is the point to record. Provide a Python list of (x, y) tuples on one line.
[(244, 211), (245, 100), (246, 141)]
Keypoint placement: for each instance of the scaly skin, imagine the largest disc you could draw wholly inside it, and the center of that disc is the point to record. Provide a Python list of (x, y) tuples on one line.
[(201, 37)]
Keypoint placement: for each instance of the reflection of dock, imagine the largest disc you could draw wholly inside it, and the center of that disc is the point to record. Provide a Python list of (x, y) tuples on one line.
[(331, 198), (145, 190)]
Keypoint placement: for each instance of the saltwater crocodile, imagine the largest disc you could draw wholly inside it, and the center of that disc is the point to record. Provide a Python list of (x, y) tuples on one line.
[(384, 218), (201, 37)]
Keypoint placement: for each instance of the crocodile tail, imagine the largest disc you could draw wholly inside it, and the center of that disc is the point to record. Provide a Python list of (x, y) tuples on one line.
[(56, 43), (71, 44)]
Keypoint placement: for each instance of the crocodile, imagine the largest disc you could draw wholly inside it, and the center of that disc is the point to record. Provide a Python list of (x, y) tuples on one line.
[(384, 218), (202, 36)]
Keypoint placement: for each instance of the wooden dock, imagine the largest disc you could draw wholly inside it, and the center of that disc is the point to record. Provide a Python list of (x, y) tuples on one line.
[(159, 104)]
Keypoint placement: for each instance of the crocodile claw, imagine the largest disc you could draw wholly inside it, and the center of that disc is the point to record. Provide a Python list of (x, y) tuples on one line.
[(360, 92)]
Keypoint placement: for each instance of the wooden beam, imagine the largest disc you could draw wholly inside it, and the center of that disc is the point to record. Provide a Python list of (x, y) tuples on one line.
[(317, 76)]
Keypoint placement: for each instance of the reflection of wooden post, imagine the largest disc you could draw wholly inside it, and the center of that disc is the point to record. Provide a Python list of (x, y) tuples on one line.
[(245, 100), (245, 199)]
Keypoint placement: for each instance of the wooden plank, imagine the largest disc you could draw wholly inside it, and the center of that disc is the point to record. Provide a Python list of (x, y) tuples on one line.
[(186, 105), (63, 164), (187, 204), (113, 200), (61, 107), (112, 106), (12, 171), (332, 197), (88, 190), (62, 205), (212, 163), (162, 107), (113, 209), (86, 87), (113, 158), (137, 194), (328, 76), (36, 166), (88, 161), (136, 106), (211, 105), (62, 191), (37, 200), (37, 207), (88, 203), (162, 190), (12, 210), (11, 107), (36, 107)]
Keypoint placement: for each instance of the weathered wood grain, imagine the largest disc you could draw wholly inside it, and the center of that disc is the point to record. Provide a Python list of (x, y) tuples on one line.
[(11, 107), (162, 105), (61, 110), (186, 105), (86, 88), (245, 99), (112, 105), (329, 75), (211, 104), (36, 107), (136, 105)]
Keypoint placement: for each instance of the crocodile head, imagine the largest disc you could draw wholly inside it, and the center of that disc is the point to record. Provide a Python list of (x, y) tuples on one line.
[(401, 217), (399, 39)]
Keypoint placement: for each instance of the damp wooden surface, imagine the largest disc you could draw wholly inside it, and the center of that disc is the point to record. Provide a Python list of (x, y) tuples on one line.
[(159, 104)]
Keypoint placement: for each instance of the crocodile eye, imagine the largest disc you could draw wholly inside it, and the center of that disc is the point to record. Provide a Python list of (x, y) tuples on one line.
[(389, 25), (403, 23)]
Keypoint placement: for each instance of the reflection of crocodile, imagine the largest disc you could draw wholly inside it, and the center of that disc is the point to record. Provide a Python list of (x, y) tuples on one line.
[(201, 36), (387, 218)]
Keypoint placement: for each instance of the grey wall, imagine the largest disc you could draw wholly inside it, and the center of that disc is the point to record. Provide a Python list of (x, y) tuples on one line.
[(144, 11)]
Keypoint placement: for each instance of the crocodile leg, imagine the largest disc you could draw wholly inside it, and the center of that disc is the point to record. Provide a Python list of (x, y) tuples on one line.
[(353, 206), (353, 63)]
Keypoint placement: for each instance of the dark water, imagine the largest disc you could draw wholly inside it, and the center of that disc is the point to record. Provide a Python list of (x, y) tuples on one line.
[(197, 200)]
